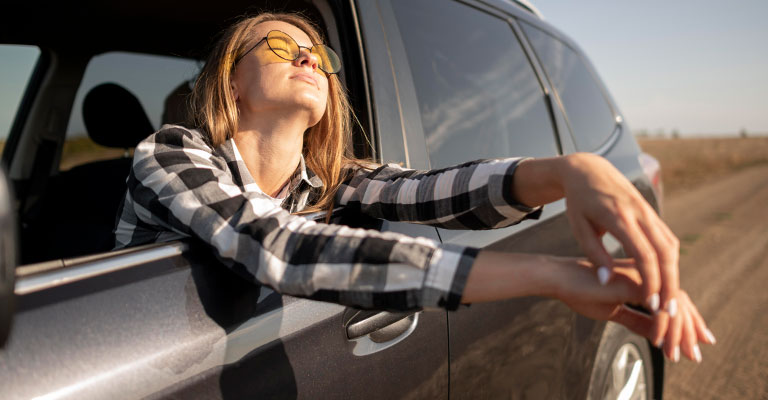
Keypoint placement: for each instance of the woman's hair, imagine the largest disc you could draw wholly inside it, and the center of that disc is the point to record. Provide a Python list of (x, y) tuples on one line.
[(214, 110)]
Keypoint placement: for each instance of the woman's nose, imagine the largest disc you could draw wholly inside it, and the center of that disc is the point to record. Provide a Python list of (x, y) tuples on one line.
[(307, 58)]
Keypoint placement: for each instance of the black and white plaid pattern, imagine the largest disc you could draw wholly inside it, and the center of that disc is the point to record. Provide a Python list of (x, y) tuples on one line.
[(181, 187)]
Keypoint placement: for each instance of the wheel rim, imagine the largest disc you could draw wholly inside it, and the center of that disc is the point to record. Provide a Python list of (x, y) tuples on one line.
[(627, 380)]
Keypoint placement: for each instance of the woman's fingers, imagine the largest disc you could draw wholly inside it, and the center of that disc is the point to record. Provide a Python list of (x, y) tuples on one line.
[(673, 337), (689, 343), (660, 329), (590, 241), (703, 333), (685, 330), (637, 246), (667, 249)]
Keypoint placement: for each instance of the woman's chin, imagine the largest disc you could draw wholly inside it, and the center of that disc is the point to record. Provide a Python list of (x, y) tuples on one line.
[(313, 106)]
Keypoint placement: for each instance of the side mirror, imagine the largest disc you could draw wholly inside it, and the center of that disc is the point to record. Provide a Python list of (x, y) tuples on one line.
[(8, 254)]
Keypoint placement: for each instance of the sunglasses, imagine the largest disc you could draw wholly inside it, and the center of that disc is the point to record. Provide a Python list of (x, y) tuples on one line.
[(286, 48)]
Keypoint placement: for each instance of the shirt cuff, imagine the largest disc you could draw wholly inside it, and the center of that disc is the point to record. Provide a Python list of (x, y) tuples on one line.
[(447, 275), (503, 197)]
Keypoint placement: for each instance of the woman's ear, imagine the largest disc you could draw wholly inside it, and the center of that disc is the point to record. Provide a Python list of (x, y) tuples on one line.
[(233, 88)]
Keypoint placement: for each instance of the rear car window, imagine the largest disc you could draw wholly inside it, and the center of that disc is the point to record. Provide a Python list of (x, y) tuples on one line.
[(589, 114), (17, 62), (152, 79), (478, 94)]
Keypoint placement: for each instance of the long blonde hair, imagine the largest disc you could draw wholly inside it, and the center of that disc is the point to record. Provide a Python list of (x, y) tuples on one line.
[(215, 112)]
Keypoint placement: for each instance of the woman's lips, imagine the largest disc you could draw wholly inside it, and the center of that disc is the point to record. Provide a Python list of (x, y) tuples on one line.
[(306, 78)]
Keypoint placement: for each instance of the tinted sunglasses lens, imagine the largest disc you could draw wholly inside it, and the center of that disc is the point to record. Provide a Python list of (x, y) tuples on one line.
[(283, 45), (329, 61)]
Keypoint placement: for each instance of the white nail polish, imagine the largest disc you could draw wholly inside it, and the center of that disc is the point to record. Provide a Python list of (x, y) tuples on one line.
[(653, 302), (697, 353), (672, 307), (710, 337), (603, 274), (676, 354), (660, 343)]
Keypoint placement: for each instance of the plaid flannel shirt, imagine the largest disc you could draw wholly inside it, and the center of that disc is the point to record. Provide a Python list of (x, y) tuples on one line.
[(181, 187)]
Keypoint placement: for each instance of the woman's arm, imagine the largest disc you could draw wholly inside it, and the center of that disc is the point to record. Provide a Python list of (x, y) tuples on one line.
[(487, 194), (178, 184), (474, 195)]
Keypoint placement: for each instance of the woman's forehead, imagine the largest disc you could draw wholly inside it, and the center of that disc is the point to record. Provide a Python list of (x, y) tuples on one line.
[(297, 34)]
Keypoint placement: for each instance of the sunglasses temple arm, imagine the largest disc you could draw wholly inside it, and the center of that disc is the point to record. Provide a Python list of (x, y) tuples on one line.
[(249, 50)]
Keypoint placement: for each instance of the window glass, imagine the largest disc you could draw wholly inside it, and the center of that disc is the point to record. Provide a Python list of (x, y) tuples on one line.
[(16, 66), (590, 116), (478, 94), (152, 79)]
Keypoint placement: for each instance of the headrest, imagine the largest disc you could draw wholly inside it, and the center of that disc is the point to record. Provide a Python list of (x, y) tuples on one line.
[(114, 117)]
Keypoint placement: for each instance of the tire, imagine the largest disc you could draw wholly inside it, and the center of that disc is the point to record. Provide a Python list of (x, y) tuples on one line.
[(623, 367)]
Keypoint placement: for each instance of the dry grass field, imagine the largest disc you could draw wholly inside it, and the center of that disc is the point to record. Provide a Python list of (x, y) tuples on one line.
[(687, 163)]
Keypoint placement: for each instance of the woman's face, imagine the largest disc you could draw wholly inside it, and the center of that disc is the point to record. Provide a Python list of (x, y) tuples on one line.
[(266, 85)]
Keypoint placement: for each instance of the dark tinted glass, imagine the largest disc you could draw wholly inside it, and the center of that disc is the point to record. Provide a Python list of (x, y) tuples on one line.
[(589, 114), (478, 95)]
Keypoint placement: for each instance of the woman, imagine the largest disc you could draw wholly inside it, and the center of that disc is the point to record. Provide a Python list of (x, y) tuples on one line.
[(272, 130)]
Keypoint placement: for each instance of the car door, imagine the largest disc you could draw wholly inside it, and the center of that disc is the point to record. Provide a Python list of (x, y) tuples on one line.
[(476, 92), (168, 321)]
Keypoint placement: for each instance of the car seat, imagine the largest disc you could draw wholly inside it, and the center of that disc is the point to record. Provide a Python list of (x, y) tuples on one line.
[(78, 210), (176, 107)]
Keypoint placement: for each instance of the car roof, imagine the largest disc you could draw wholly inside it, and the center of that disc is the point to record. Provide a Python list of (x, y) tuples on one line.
[(182, 28), (529, 6)]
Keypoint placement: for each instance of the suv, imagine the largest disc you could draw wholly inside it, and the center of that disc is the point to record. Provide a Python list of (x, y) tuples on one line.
[(432, 84)]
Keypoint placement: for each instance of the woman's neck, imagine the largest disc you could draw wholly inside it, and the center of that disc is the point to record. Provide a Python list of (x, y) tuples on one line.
[(271, 150)]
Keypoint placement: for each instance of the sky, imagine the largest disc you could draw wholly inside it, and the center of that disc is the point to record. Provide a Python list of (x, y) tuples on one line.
[(699, 67)]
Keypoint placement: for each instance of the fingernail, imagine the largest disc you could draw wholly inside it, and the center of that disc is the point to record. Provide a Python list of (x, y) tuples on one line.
[(653, 302), (603, 274), (676, 354), (672, 307), (697, 353), (710, 337), (660, 343)]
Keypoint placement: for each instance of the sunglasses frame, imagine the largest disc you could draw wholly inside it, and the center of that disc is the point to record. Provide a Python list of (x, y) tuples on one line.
[(266, 39)]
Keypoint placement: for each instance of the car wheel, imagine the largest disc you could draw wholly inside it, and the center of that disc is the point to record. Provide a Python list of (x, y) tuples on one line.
[(623, 367)]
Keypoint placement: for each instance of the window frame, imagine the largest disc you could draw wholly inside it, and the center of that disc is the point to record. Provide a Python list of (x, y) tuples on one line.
[(612, 137), (414, 131)]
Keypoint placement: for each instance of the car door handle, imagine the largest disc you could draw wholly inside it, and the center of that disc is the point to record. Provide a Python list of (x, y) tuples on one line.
[(381, 327)]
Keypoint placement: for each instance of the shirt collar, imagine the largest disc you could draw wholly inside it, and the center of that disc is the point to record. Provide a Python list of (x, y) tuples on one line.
[(307, 175)]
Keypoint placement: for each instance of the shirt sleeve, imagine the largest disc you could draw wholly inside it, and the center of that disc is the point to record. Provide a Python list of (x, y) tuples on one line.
[(177, 183), (474, 195)]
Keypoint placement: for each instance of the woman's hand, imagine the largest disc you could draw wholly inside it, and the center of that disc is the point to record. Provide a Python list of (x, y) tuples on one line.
[(582, 294), (600, 199), (684, 331), (498, 276)]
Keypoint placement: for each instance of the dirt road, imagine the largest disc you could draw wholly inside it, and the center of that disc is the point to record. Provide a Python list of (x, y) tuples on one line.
[(723, 227)]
